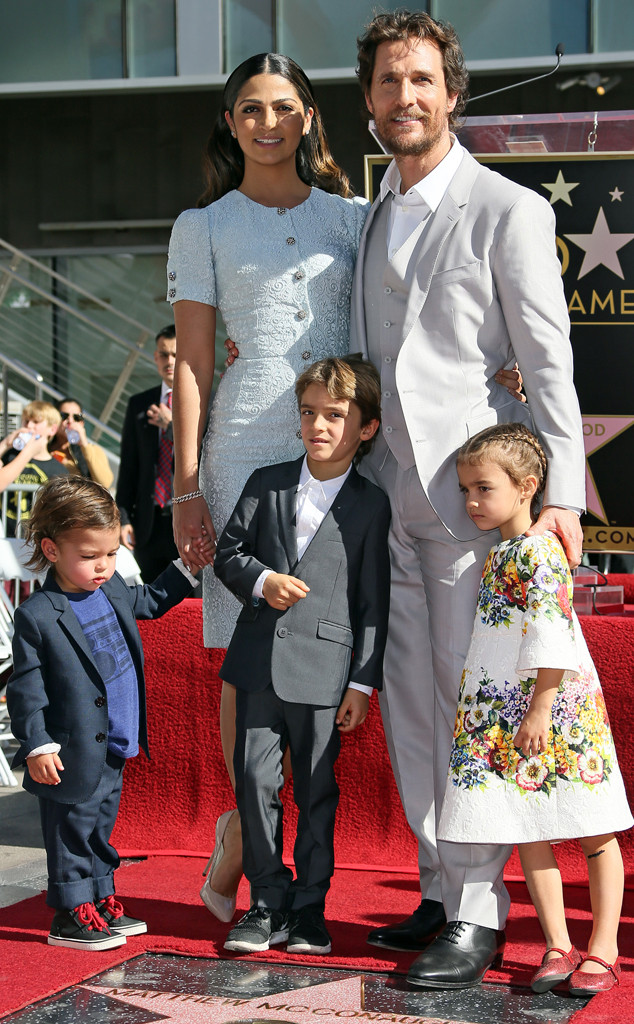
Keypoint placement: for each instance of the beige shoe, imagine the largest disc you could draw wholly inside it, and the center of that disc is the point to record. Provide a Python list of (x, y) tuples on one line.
[(222, 907)]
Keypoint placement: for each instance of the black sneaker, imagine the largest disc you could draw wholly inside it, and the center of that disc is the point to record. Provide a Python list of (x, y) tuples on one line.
[(112, 912), (82, 928), (307, 931), (257, 930)]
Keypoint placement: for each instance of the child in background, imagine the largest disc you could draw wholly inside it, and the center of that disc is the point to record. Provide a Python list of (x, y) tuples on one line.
[(533, 760), (76, 699), (32, 464)]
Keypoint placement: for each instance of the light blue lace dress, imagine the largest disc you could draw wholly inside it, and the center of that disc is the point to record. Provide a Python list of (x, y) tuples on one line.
[(282, 280)]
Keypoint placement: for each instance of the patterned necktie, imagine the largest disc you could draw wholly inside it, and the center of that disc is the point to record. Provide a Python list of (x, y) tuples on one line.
[(163, 483)]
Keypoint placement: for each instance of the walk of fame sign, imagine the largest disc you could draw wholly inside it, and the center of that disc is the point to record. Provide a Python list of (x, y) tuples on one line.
[(592, 196)]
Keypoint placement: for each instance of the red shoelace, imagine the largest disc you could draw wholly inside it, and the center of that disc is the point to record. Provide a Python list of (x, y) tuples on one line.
[(88, 915), (111, 906)]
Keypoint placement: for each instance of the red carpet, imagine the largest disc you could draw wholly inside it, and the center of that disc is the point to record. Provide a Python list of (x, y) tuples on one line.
[(171, 803), (164, 891)]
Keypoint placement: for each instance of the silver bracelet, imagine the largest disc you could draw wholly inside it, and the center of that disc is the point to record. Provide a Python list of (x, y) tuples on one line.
[(187, 497)]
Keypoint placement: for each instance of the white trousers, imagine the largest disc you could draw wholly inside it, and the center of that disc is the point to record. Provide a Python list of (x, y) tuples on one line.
[(434, 588)]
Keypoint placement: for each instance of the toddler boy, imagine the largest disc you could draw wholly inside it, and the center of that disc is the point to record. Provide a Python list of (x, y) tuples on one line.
[(77, 699)]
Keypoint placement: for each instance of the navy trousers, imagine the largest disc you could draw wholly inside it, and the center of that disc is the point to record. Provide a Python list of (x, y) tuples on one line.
[(80, 860)]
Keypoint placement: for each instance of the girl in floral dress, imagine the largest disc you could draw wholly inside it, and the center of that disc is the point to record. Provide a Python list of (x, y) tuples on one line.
[(533, 760)]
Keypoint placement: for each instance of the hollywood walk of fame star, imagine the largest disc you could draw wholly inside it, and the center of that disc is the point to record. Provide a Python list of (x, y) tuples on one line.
[(597, 432), (327, 1003), (560, 189), (616, 193), (600, 247)]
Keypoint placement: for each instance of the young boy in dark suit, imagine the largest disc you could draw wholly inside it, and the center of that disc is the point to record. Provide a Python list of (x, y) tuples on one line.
[(77, 699), (305, 551)]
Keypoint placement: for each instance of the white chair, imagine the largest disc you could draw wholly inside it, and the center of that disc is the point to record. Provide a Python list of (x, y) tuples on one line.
[(127, 566), (13, 554)]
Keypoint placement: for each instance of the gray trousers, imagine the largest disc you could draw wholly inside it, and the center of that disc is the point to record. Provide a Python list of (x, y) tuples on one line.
[(265, 726), (433, 594)]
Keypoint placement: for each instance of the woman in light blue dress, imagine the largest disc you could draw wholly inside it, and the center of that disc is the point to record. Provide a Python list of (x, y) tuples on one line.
[(274, 251)]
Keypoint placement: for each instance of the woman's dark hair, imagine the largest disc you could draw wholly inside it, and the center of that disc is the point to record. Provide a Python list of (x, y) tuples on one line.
[(224, 161)]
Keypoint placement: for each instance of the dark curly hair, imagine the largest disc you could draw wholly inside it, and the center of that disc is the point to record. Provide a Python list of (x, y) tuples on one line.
[(403, 25)]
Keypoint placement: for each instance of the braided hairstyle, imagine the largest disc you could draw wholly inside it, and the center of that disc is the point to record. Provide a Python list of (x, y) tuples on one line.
[(512, 447)]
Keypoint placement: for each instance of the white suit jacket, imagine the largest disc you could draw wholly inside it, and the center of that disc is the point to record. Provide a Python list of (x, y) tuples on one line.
[(485, 291)]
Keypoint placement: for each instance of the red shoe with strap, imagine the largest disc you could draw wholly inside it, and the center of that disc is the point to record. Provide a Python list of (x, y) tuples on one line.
[(552, 972), (583, 984)]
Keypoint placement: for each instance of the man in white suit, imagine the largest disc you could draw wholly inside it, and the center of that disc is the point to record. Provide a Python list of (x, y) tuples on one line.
[(457, 275)]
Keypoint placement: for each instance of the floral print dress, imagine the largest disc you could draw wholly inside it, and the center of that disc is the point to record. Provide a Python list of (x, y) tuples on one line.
[(494, 793)]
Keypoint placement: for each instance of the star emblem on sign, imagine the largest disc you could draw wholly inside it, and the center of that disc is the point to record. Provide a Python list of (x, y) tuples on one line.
[(327, 1003), (600, 247), (597, 432), (560, 189)]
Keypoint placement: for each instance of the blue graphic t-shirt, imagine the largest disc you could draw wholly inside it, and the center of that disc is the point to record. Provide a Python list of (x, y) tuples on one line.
[(101, 628)]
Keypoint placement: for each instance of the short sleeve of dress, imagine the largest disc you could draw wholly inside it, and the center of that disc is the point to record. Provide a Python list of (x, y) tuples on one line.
[(190, 266), (548, 626)]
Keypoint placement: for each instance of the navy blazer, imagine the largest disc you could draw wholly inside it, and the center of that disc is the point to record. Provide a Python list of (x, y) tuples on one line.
[(56, 693), (307, 650)]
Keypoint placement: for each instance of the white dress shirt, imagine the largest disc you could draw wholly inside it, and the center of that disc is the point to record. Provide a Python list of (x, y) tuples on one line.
[(415, 207), (312, 504)]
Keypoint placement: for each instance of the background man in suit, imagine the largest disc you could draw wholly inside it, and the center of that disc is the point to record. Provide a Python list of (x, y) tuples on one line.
[(144, 487), (457, 275), (291, 653)]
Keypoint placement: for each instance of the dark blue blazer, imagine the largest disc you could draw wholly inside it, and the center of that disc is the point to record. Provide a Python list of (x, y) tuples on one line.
[(56, 692), (337, 632)]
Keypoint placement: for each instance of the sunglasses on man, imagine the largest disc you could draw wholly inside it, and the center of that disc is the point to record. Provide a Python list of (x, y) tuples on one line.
[(78, 417)]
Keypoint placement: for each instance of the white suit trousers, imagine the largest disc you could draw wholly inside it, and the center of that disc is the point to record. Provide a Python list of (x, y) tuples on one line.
[(434, 588)]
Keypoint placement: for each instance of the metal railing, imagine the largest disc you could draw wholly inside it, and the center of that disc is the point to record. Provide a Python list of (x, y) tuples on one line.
[(111, 342), (42, 390), (12, 527)]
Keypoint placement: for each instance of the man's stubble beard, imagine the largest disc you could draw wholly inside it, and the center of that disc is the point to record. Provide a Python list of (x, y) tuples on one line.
[(408, 143)]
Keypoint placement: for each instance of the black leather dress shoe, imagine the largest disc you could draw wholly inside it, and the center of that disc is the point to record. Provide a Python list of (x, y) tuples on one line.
[(459, 957), (415, 932)]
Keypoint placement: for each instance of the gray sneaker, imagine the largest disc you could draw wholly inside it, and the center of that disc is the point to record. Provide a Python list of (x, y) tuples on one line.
[(257, 930), (83, 928)]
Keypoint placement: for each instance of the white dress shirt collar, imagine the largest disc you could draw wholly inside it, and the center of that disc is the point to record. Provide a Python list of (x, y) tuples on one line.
[(430, 189), (329, 488)]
